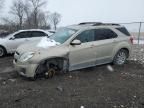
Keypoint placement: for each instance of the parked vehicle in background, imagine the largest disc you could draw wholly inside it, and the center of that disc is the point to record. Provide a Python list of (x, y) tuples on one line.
[(75, 47), (4, 34), (10, 43), (51, 31)]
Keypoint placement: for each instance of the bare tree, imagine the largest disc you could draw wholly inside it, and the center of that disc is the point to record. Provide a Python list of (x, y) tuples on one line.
[(17, 9), (55, 18), (28, 12), (1, 3), (10, 25), (43, 19), (37, 5)]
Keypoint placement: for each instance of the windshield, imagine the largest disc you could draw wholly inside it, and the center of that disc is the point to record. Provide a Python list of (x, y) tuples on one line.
[(62, 35)]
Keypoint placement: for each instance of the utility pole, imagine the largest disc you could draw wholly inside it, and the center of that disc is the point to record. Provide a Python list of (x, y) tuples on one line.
[(139, 33)]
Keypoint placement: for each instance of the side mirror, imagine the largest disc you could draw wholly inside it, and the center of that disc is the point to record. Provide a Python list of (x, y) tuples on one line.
[(76, 42), (12, 38), (48, 36)]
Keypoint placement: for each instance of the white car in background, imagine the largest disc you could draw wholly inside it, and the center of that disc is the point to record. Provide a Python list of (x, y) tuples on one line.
[(9, 44)]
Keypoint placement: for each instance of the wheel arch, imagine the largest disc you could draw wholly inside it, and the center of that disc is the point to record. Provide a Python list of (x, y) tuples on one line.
[(4, 48), (124, 48), (61, 62)]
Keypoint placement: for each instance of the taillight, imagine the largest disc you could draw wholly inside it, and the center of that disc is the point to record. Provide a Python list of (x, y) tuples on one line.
[(131, 39)]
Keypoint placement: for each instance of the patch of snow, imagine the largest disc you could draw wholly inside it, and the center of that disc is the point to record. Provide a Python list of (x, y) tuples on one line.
[(142, 50), (71, 32), (114, 106), (70, 76), (99, 79), (46, 42), (132, 75), (4, 83), (134, 96), (110, 68), (60, 88), (82, 107), (135, 59), (122, 106), (12, 80), (141, 42)]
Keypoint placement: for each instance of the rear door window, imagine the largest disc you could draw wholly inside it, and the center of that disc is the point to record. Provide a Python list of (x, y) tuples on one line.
[(38, 34), (102, 34)]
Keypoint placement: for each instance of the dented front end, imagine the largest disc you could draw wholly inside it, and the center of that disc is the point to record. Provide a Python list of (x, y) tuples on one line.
[(42, 60)]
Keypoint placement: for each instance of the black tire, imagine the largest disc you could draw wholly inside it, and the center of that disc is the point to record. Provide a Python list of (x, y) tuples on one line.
[(2, 51), (121, 57)]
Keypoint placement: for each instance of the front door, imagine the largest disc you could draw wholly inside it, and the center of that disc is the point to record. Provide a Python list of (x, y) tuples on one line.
[(82, 56)]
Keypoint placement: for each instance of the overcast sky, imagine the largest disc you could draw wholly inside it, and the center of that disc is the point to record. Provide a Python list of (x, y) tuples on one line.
[(75, 11)]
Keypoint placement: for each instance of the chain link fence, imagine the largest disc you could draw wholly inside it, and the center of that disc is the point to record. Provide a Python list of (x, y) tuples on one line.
[(137, 31)]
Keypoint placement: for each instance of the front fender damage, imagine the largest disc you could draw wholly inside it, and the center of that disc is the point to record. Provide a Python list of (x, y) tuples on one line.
[(59, 64)]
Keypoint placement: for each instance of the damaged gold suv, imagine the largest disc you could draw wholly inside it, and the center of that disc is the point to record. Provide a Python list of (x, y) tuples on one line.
[(74, 47)]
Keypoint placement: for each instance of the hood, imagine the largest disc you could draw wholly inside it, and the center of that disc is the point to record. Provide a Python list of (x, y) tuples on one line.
[(36, 46), (44, 50), (46, 43)]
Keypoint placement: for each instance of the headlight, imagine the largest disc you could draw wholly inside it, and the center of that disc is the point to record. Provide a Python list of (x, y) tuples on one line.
[(26, 56)]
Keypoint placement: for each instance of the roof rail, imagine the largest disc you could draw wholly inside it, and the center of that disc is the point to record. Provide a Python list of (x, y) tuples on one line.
[(93, 23), (107, 24), (113, 24), (99, 23)]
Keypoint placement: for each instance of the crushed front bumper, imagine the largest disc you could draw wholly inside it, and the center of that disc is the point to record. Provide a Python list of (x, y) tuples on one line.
[(25, 69)]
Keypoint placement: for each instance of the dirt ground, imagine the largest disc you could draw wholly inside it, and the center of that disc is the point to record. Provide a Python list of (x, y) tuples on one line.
[(98, 87)]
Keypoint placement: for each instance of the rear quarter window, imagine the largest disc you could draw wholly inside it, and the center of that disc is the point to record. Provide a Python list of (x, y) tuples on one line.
[(124, 31)]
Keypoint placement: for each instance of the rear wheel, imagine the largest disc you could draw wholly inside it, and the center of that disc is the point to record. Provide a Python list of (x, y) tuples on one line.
[(121, 57), (2, 52)]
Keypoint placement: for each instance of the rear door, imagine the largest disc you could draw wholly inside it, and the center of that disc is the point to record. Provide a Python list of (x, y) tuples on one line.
[(105, 42)]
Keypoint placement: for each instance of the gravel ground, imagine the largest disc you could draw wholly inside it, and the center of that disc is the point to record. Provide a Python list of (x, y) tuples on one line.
[(103, 86), (138, 54)]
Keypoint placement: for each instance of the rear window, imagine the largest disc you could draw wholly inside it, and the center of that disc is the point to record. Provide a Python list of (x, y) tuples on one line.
[(123, 30)]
